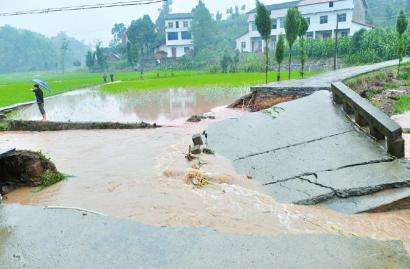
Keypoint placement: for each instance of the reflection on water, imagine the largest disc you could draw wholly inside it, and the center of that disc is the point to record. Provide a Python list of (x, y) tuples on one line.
[(161, 106), (139, 175)]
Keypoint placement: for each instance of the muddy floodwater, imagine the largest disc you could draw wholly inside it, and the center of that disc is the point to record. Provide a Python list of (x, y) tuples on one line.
[(140, 175), (161, 106)]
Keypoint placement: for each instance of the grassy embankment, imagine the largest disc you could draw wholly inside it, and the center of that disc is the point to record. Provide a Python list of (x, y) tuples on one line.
[(15, 88), (385, 89)]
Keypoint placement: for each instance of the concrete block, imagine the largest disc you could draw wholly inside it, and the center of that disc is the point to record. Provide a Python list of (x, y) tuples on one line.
[(396, 147), (197, 139), (376, 133), (347, 108), (360, 120), (196, 149)]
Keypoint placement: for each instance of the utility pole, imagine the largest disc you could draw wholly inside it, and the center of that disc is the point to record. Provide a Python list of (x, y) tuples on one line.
[(64, 47), (336, 43)]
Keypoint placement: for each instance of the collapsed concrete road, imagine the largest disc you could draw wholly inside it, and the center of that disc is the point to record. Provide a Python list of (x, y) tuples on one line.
[(33, 237), (306, 152)]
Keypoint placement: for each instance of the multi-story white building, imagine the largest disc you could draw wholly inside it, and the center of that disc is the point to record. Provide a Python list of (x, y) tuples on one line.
[(178, 35), (324, 17)]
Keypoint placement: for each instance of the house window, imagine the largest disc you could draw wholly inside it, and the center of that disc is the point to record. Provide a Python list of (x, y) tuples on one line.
[(309, 35), (243, 45), (281, 22), (327, 35), (331, 4), (323, 19), (172, 36), (253, 26), (274, 24), (170, 25), (186, 25), (177, 24), (344, 33), (186, 35), (308, 20), (341, 17)]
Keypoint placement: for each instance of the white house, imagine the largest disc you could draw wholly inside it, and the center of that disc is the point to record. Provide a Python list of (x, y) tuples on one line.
[(178, 35), (324, 17)]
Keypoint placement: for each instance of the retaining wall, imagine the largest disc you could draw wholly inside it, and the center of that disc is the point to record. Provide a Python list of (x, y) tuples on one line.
[(380, 126)]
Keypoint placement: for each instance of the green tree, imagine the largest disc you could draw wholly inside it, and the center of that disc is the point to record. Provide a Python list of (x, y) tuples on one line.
[(358, 39), (235, 60), (203, 27), (160, 22), (63, 52), (401, 27), (118, 31), (90, 60), (142, 34), (280, 53), (218, 16), (100, 57), (226, 61), (304, 26), (264, 25), (292, 25)]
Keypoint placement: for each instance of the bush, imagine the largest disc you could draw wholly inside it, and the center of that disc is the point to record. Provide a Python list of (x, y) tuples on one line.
[(251, 63), (50, 178)]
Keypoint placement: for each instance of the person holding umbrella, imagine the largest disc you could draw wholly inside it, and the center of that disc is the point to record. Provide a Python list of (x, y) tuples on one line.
[(38, 92)]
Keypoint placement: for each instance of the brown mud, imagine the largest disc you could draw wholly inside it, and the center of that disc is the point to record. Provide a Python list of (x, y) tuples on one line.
[(257, 101), (141, 175)]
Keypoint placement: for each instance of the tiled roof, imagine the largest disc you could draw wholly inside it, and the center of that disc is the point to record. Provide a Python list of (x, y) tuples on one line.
[(179, 16), (284, 5)]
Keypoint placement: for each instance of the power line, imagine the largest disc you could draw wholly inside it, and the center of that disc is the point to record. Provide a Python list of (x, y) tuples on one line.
[(82, 7)]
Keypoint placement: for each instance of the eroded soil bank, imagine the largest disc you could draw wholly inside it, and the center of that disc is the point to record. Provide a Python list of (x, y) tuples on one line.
[(140, 175)]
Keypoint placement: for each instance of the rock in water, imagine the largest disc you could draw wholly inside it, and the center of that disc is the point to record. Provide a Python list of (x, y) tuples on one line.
[(23, 168)]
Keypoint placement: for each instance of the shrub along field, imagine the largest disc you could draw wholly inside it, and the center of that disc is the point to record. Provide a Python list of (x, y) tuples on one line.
[(16, 88), (386, 90)]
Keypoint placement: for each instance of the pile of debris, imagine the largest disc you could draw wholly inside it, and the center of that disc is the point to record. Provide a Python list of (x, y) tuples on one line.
[(257, 101), (198, 118), (198, 146), (23, 169)]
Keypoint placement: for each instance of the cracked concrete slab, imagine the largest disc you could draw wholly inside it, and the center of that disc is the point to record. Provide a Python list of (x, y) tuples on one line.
[(306, 151), (32, 237), (366, 179), (296, 122), (366, 203), (311, 157), (299, 191)]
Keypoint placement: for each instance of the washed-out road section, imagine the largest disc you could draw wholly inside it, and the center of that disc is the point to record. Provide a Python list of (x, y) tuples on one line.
[(307, 152)]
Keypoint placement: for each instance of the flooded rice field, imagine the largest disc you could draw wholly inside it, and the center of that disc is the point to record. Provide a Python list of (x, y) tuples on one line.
[(141, 174), (161, 107)]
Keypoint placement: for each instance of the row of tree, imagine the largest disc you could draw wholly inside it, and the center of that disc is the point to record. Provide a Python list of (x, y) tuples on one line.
[(296, 27), (137, 41), (23, 50)]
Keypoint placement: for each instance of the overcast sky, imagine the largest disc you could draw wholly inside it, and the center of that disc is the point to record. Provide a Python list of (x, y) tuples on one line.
[(95, 25)]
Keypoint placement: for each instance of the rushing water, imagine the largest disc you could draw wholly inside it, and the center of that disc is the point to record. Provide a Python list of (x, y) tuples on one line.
[(162, 106), (140, 175)]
